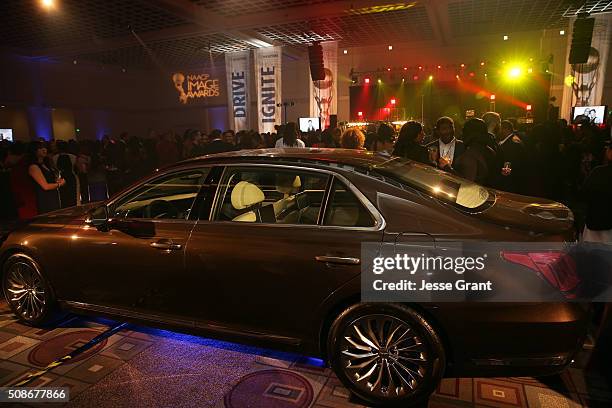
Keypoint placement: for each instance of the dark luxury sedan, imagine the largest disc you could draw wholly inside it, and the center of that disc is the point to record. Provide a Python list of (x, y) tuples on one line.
[(264, 247)]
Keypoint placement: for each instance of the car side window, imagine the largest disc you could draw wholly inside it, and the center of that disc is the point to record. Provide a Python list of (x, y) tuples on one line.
[(345, 210), (271, 195), (168, 197)]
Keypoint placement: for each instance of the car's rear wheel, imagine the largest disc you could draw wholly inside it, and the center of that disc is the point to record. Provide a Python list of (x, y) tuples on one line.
[(386, 354), (27, 291)]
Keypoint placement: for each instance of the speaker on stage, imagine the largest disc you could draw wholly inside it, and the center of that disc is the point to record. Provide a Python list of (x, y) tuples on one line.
[(315, 56), (333, 121), (581, 40)]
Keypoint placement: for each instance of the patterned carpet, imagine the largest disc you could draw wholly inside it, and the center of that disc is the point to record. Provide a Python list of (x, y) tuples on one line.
[(142, 367)]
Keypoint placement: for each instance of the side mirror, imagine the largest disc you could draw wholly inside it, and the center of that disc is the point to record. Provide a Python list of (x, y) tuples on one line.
[(98, 218)]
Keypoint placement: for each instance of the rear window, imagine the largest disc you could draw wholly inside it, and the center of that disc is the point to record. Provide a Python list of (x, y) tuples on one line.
[(461, 192)]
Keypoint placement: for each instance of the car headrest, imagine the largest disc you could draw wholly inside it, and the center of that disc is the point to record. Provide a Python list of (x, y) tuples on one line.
[(288, 184), (246, 194)]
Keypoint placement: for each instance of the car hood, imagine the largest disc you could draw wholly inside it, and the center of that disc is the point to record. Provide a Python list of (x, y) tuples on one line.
[(538, 215), (64, 216)]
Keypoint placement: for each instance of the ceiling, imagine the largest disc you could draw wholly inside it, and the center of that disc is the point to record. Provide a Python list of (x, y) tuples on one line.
[(173, 33)]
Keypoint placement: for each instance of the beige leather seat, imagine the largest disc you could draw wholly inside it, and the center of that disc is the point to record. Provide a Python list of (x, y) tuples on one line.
[(245, 195), (288, 186)]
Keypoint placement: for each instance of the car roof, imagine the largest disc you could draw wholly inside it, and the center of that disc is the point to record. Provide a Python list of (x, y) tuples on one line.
[(350, 157)]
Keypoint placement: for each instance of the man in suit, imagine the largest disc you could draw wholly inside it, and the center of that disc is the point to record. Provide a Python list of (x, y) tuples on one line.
[(512, 151), (216, 144), (446, 148)]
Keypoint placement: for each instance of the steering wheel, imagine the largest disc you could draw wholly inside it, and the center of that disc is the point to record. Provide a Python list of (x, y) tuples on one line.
[(160, 209)]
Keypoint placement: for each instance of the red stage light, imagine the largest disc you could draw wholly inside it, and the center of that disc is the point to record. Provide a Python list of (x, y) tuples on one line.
[(360, 113), (439, 66), (462, 65), (366, 80), (492, 97), (393, 101), (387, 110), (416, 77), (472, 74), (388, 69), (528, 107), (405, 68), (420, 67)]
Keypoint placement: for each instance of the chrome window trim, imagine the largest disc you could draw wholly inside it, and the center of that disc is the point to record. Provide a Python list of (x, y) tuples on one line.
[(379, 221)]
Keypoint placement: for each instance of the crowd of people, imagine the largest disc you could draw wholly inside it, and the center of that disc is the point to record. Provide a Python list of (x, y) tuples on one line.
[(554, 160)]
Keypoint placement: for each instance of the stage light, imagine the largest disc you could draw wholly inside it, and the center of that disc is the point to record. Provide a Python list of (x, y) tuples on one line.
[(505, 38), (420, 67), (515, 72), (366, 80), (482, 63), (561, 32), (74, 62), (390, 48), (528, 107), (405, 68), (457, 76), (439, 66), (503, 62), (472, 74), (486, 75), (431, 78), (492, 97), (345, 52), (462, 65), (393, 101), (415, 77), (388, 69), (360, 113), (529, 70), (403, 79), (379, 81), (47, 3)]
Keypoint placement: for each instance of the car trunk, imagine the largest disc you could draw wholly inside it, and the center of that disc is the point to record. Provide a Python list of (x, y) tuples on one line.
[(537, 215)]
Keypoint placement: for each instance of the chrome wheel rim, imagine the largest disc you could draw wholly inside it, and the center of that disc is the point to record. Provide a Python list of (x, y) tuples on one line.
[(383, 356), (25, 291)]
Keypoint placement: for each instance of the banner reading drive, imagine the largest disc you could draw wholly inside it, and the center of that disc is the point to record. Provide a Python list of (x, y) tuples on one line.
[(268, 84), (237, 69)]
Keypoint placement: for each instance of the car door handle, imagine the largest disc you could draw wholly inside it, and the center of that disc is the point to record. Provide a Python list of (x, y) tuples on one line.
[(166, 244), (338, 260)]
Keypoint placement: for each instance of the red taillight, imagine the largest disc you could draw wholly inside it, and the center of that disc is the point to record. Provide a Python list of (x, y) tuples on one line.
[(558, 268)]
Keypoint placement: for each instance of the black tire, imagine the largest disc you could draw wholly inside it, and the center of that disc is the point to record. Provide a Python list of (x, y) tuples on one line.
[(411, 363), (27, 291)]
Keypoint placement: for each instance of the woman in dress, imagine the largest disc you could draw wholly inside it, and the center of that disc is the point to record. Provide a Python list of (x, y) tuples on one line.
[(46, 179)]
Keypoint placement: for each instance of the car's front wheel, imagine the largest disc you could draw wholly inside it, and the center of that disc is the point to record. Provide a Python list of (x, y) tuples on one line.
[(27, 292), (386, 354)]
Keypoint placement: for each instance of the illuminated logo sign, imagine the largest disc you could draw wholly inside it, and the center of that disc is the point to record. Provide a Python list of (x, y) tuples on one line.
[(196, 86)]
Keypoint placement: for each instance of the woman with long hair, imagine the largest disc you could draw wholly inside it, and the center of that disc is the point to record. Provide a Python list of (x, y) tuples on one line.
[(408, 143), (46, 178), (290, 137)]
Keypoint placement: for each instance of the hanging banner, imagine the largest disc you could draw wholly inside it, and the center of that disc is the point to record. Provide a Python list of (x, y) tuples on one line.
[(268, 84), (584, 83), (237, 70), (324, 94)]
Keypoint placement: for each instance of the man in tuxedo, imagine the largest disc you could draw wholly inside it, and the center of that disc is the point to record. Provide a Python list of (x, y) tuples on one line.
[(448, 147), (216, 144)]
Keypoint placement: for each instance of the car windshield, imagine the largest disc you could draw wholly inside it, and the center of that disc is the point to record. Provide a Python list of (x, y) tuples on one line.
[(445, 186)]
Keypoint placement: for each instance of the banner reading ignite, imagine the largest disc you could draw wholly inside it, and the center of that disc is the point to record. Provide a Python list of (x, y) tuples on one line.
[(268, 83), (198, 86), (237, 69)]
